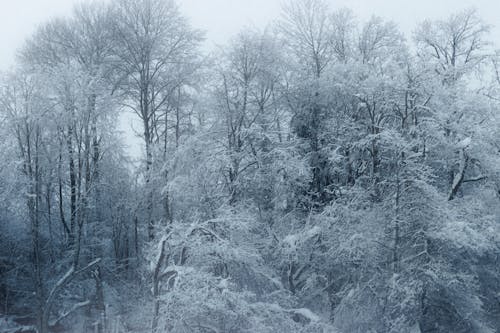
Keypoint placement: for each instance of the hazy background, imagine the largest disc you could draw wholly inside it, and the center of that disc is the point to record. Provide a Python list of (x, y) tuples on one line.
[(222, 19)]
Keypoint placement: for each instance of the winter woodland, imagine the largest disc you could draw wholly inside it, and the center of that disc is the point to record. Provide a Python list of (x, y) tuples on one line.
[(325, 174)]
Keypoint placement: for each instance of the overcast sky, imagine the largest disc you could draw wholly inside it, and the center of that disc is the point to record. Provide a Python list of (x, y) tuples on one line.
[(223, 18)]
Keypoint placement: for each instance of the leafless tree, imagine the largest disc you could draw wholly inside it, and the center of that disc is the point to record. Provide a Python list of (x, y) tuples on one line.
[(152, 38)]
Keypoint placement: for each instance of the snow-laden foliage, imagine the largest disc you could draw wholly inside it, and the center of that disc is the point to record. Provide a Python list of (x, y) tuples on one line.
[(323, 175)]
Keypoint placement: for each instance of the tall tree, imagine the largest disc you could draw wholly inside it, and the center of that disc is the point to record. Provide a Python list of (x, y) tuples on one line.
[(151, 37)]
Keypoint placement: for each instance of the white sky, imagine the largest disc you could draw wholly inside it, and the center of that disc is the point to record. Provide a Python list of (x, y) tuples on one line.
[(223, 18)]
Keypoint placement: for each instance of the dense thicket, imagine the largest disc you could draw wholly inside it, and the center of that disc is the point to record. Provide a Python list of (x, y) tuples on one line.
[(323, 175)]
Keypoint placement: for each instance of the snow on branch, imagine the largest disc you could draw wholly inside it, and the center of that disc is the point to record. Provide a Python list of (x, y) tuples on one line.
[(63, 281), (70, 311)]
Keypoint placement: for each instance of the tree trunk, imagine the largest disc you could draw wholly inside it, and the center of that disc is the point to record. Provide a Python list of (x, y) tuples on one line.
[(72, 179), (458, 178), (156, 286), (99, 300)]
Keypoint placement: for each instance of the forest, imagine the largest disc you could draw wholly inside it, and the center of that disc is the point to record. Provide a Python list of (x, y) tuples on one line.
[(324, 174)]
